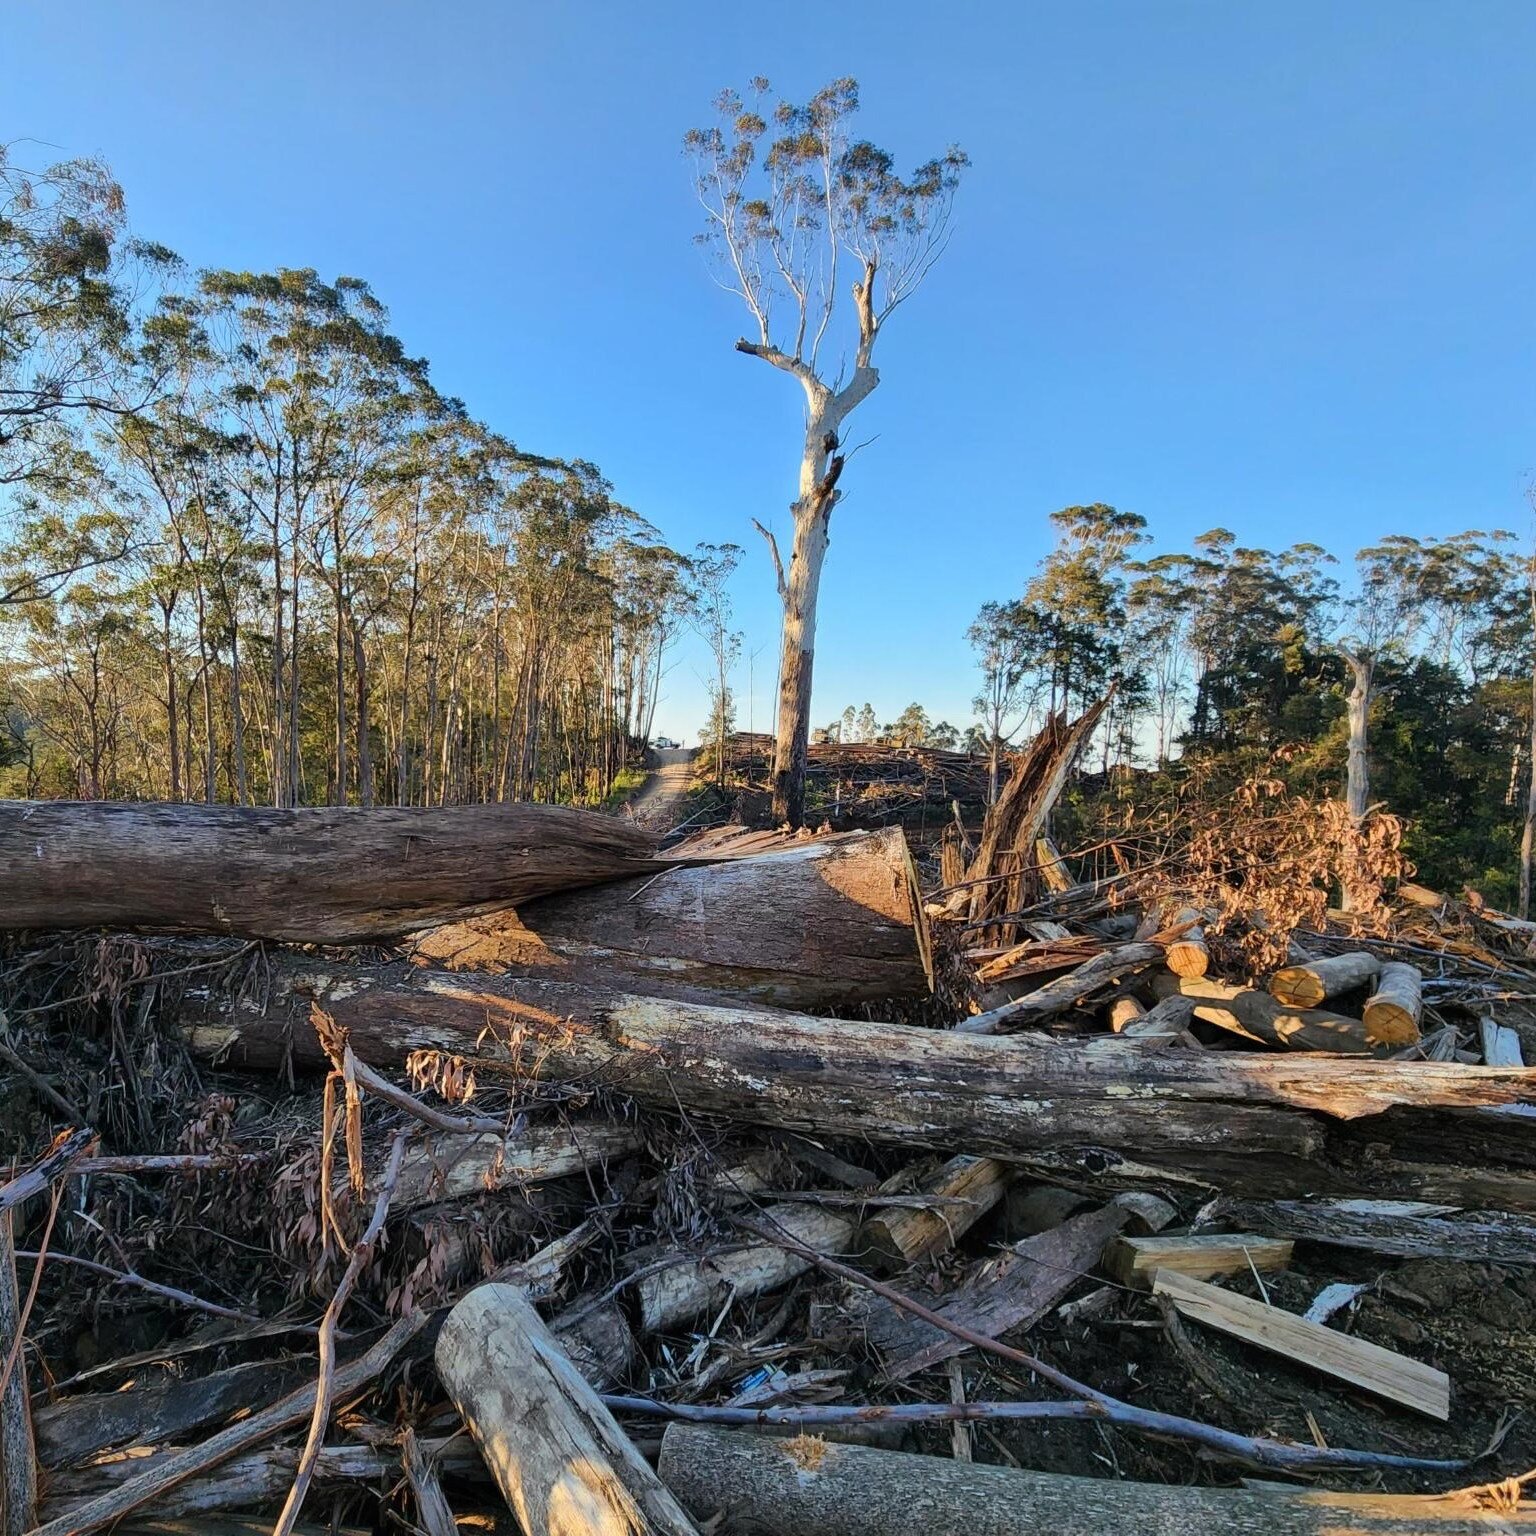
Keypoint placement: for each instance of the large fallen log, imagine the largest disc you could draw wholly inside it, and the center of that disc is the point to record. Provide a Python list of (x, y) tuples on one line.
[(563, 1465), (807, 1487), (1270, 1126), (819, 923), (1404, 1229), (317, 876)]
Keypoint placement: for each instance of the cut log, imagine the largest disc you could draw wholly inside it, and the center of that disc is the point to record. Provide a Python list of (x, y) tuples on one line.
[(810, 1487), (1254, 1124), (1032, 1208), (260, 1477), (562, 1464), (1167, 1022), (1123, 1011), (311, 876), (1393, 1010), (1011, 1290), (1134, 1260), (822, 923), (902, 1237), (73, 1429), (678, 1293), (1404, 1229), (1361, 1364), (1059, 995), (1189, 955), (446, 1166), (1307, 985), (1258, 1016)]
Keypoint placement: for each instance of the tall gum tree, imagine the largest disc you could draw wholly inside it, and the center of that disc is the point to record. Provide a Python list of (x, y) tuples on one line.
[(790, 199)]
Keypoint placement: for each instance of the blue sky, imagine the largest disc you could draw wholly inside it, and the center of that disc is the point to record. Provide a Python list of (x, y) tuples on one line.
[(1268, 266)]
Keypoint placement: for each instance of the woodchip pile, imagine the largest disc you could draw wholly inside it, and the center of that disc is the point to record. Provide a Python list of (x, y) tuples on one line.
[(486, 1169)]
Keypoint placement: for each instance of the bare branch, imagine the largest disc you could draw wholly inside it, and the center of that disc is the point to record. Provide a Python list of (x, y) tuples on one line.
[(773, 549)]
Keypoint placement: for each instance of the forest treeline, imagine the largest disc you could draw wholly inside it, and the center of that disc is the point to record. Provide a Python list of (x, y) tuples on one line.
[(249, 553), (1400, 677)]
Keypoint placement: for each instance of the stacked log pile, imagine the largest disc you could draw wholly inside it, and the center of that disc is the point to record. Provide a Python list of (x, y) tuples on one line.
[(606, 1191), (871, 782)]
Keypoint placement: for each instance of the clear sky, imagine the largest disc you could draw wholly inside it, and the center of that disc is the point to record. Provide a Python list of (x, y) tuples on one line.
[(1262, 265)]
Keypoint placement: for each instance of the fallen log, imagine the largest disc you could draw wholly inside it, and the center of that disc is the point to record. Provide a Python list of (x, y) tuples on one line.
[(1251, 1124), (1258, 1016), (808, 1487), (1403, 1229), (73, 1429), (902, 1237), (562, 1464), (452, 1167), (822, 923), (1315, 981), (671, 1294), (1189, 954), (1057, 996), (1006, 1291), (1393, 1010), (335, 876)]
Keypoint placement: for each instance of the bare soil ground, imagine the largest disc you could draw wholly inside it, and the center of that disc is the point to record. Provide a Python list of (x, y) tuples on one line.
[(656, 807)]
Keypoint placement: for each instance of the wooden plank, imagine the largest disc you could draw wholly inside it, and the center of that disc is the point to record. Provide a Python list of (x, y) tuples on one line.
[(1361, 1364), (1501, 1045), (1135, 1260)]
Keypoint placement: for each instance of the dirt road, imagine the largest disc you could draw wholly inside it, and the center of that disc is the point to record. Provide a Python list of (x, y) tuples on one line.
[(655, 807)]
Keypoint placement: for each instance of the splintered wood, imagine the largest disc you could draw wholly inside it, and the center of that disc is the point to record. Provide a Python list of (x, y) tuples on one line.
[(759, 1133), (1351, 1360)]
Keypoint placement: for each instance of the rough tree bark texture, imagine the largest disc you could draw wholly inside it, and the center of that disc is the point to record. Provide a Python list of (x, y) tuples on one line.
[(1362, 669), (807, 1487), (320, 876), (1264, 1125), (563, 1465), (818, 924)]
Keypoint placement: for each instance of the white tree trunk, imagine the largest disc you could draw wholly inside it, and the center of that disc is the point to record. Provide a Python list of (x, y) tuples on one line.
[(1528, 835), (1358, 778), (799, 587)]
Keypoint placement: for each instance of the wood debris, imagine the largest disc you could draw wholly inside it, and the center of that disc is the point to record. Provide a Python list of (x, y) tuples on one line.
[(797, 1135)]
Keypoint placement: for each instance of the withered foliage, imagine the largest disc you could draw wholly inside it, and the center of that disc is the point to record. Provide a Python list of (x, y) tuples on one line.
[(1266, 863)]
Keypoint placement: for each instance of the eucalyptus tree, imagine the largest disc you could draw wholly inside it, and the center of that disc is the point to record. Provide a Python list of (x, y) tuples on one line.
[(711, 569), (1000, 638), (318, 391), (791, 199)]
